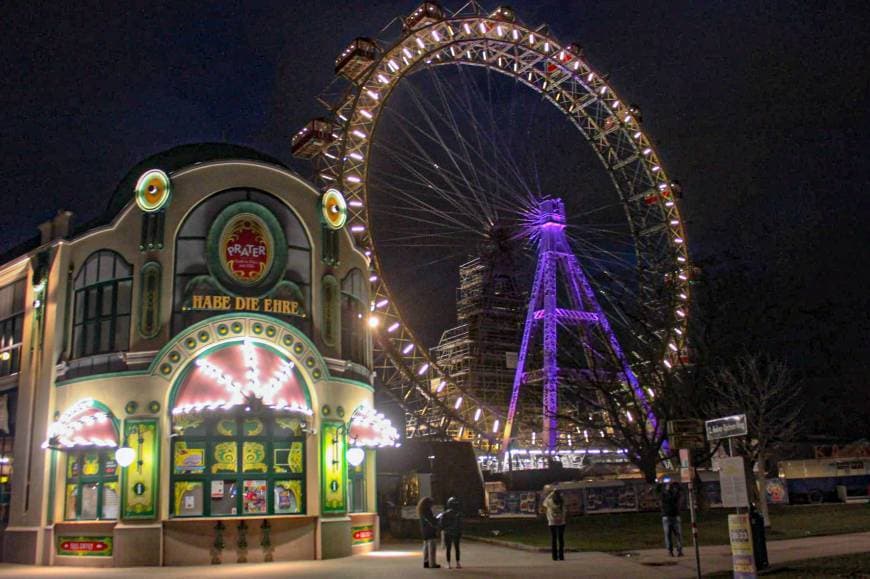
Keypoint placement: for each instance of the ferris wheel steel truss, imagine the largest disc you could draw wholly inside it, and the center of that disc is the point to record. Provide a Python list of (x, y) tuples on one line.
[(434, 404)]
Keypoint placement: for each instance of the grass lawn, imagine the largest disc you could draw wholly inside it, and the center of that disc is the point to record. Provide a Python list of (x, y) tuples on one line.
[(632, 531), (857, 565)]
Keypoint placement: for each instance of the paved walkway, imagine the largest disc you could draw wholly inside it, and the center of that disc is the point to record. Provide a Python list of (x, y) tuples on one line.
[(403, 560), (718, 558)]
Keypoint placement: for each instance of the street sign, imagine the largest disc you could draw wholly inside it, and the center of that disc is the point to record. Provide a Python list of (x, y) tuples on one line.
[(727, 427), (686, 433)]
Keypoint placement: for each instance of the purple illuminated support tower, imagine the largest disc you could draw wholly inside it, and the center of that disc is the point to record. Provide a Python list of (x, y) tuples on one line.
[(555, 257)]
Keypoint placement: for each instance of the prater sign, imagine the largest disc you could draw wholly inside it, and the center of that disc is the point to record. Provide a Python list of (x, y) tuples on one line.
[(246, 249)]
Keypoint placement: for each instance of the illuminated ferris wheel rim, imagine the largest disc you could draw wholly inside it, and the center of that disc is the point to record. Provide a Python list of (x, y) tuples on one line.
[(554, 70)]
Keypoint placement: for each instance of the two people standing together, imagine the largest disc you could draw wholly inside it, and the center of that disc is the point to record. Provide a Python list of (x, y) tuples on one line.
[(450, 522)]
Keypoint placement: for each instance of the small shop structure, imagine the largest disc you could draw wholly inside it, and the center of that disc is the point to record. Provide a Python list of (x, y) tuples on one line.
[(191, 373)]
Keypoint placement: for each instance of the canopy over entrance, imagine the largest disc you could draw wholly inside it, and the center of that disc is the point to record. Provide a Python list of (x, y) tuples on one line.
[(241, 375), (371, 428), (87, 423)]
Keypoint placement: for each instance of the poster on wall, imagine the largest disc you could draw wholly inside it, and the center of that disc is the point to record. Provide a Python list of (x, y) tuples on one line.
[(140, 486), (742, 554), (84, 546), (777, 491), (189, 460), (254, 499)]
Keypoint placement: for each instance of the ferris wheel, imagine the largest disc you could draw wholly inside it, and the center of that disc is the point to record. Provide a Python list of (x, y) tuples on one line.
[(431, 143)]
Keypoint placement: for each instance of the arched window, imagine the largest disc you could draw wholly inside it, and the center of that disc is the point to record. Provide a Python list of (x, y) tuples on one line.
[(103, 289), (239, 449), (353, 323)]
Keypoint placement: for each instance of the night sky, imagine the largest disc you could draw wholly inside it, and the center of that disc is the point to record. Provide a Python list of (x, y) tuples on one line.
[(760, 109)]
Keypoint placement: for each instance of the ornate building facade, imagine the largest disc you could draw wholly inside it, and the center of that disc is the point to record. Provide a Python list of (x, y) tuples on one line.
[(189, 376)]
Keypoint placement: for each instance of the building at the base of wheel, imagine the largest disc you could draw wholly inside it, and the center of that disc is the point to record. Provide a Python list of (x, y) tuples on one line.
[(188, 377)]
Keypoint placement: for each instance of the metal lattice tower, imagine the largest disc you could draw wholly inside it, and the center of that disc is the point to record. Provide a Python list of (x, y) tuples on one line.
[(477, 353), (599, 344)]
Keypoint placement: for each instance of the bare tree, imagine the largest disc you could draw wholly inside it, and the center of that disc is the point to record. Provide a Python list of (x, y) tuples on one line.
[(766, 391)]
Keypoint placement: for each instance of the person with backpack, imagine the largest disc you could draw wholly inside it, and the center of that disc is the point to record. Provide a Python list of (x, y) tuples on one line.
[(450, 522), (554, 506), (429, 531)]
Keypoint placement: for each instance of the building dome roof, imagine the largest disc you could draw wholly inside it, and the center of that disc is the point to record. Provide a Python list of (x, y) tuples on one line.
[(175, 158)]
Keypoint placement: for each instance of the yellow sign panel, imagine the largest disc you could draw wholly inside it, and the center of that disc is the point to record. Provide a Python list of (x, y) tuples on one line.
[(140, 478), (741, 546)]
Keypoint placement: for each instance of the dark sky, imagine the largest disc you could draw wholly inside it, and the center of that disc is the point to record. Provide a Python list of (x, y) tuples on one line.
[(760, 110)]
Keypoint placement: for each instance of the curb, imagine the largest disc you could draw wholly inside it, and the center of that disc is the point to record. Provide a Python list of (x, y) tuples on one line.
[(514, 545)]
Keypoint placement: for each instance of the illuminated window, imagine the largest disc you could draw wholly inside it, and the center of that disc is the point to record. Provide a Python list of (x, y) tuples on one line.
[(103, 288), (11, 324), (91, 485), (238, 464), (356, 477), (354, 337)]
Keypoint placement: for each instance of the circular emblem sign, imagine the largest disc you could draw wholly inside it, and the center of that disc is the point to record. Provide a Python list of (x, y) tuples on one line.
[(152, 190), (246, 249), (333, 209)]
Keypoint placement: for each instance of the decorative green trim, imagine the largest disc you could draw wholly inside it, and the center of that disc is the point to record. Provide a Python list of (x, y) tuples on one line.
[(103, 376), (149, 300), (139, 511), (279, 249), (328, 429), (182, 376), (51, 484), (356, 383), (172, 359), (63, 539)]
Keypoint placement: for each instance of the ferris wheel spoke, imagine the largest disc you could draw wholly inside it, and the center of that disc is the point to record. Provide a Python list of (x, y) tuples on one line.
[(475, 154), (412, 204), (422, 167)]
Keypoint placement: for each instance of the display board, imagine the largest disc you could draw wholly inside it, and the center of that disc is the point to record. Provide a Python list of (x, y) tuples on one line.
[(140, 487)]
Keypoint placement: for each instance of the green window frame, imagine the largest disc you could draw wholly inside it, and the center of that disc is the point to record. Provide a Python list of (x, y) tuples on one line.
[(11, 326), (356, 487), (236, 465), (91, 473), (103, 302)]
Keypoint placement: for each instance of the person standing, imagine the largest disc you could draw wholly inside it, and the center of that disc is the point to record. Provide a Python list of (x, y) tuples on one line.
[(429, 531), (450, 522), (670, 502), (554, 506)]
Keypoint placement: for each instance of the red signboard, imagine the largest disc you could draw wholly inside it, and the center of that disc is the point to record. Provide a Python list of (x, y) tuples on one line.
[(363, 534), (246, 249), (85, 546)]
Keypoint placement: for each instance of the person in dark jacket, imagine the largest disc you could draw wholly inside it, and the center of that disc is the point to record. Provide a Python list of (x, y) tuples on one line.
[(450, 522), (670, 501), (429, 530)]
